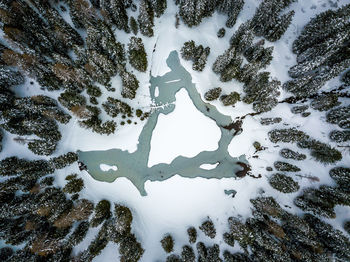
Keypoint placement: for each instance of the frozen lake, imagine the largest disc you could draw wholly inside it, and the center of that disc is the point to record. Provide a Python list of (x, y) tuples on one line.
[(134, 166)]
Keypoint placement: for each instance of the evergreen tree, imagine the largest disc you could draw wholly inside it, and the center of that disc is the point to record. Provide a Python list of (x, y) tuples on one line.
[(197, 54), (221, 32), (192, 235), (259, 55), (232, 9), (130, 84), (159, 7), (208, 228), (341, 175), (145, 18), (102, 212), (91, 120), (242, 39), (346, 78), (113, 107), (322, 52), (320, 151), (340, 136), (290, 135), (74, 184), (100, 38), (134, 25), (262, 92), (325, 102), (290, 154), (137, 54), (79, 233), (167, 243), (270, 121), (187, 254), (228, 65), (82, 13), (193, 11), (333, 240), (268, 22), (230, 99), (283, 183), (339, 116), (1, 137), (213, 94), (284, 166), (115, 10)]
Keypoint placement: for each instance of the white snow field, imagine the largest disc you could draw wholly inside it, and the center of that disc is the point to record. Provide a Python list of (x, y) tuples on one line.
[(185, 131), (105, 167)]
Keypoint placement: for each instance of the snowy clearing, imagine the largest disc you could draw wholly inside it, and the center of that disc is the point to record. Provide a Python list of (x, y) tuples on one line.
[(185, 131)]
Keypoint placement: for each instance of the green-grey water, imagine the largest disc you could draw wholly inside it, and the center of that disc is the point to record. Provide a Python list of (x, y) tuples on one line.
[(134, 165)]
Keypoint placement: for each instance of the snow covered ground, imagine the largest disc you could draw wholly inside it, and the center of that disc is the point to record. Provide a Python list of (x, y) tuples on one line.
[(185, 131)]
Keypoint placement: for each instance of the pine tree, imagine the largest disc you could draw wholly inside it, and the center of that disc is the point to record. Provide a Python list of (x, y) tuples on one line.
[(167, 243), (283, 183), (82, 13), (113, 107), (116, 13), (130, 85), (197, 54), (290, 135), (232, 9), (145, 18), (339, 116), (159, 7), (322, 52), (340, 136), (213, 94), (134, 25), (268, 22), (102, 213), (325, 102), (137, 54), (290, 154), (192, 12), (262, 92), (320, 151), (230, 99)]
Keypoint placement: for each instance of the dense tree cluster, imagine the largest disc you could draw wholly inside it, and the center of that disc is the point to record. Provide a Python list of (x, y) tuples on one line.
[(74, 184), (320, 151), (113, 107), (192, 12), (197, 54), (339, 116), (44, 45), (41, 217), (230, 99), (137, 54), (269, 21), (322, 51), (31, 116), (260, 90), (273, 234)]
